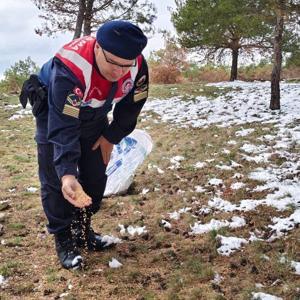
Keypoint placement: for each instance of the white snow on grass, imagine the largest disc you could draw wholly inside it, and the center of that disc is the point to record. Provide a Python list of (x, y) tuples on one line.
[(110, 240), (20, 114), (237, 185), (166, 224), (264, 296), (132, 230), (236, 107), (114, 263), (238, 176), (229, 244), (2, 280), (159, 170), (215, 181), (283, 225), (199, 189), (296, 265), (258, 159), (213, 224), (31, 189), (224, 167), (176, 214), (200, 165), (217, 279), (145, 191), (176, 161), (244, 132), (250, 148), (262, 175)]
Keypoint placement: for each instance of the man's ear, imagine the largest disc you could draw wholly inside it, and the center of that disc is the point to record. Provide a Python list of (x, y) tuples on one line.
[(97, 45)]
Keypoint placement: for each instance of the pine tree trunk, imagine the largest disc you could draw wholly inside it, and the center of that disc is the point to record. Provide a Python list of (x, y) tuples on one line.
[(79, 20), (234, 64), (275, 77), (88, 17)]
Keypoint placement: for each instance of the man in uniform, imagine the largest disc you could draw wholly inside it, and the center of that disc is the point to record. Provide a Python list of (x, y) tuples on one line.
[(74, 138)]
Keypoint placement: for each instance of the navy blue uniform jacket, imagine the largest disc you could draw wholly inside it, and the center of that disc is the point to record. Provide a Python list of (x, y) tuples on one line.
[(64, 131)]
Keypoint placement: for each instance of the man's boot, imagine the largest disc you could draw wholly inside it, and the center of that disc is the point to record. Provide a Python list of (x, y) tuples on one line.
[(67, 251), (85, 235)]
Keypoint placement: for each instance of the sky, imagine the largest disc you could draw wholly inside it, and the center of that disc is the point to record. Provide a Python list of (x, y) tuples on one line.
[(18, 18)]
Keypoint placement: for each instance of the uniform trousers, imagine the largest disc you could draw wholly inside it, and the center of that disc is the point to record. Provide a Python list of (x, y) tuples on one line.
[(91, 175)]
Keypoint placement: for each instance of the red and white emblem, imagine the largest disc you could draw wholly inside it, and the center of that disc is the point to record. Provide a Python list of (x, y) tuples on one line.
[(77, 91), (127, 86)]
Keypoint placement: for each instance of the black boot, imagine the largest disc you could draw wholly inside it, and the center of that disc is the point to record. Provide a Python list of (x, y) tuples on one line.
[(67, 251), (85, 235)]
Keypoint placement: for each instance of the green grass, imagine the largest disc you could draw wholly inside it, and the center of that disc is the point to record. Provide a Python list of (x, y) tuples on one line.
[(16, 226), (186, 90), (8, 268)]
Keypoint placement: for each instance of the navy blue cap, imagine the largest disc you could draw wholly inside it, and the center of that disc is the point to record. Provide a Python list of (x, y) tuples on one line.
[(122, 39)]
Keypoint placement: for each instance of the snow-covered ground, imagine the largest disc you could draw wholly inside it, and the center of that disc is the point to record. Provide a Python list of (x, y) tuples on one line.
[(246, 103)]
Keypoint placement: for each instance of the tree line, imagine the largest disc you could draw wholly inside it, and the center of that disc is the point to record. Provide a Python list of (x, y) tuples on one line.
[(210, 27), (214, 26)]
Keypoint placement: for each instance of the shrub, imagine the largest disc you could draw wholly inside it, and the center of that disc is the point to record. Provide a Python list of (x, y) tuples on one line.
[(207, 73), (167, 64), (17, 74)]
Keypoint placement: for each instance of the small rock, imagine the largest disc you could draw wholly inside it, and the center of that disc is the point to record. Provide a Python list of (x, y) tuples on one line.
[(2, 216)]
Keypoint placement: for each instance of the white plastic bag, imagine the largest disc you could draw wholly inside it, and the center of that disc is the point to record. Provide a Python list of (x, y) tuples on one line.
[(126, 157)]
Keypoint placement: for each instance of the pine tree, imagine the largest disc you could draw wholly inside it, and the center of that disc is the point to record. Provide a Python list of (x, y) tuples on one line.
[(84, 16), (215, 26)]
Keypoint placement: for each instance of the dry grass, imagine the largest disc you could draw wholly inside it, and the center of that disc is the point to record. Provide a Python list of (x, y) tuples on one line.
[(162, 264)]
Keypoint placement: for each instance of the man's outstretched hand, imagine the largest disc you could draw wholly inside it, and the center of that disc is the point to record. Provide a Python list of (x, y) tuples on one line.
[(106, 148), (73, 192)]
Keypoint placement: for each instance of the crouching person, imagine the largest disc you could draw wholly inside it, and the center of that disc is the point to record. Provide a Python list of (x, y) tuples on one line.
[(74, 137)]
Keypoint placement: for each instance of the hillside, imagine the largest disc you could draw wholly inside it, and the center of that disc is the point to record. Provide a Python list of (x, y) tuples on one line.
[(216, 204)]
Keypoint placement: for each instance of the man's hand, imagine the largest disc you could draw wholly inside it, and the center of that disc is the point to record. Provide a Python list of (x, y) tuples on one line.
[(73, 192), (106, 148)]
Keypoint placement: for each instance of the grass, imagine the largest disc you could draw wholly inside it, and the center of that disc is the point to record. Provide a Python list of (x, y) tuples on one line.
[(16, 226), (8, 268), (165, 264), (185, 90)]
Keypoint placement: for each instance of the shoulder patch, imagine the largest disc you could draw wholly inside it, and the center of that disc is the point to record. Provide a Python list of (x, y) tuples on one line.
[(127, 86), (77, 91), (73, 103), (140, 96), (141, 80)]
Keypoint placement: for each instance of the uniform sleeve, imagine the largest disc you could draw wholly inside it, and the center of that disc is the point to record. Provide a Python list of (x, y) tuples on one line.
[(126, 111), (63, 125)]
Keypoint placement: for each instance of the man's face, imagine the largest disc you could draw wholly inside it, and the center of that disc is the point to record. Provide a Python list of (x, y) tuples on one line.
[(112, 67)]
